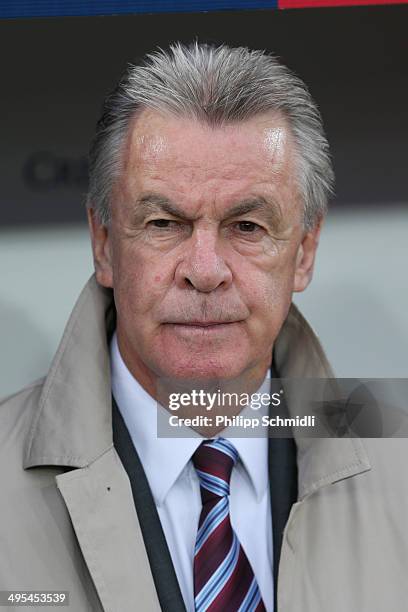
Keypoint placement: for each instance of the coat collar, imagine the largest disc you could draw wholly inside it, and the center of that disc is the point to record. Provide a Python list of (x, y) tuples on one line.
[(298, 355), (72, 425)]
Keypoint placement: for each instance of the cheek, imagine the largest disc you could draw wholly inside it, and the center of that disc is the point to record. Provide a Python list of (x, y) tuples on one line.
[(271, 297), (138, 282), (141, 284), (268, 292)]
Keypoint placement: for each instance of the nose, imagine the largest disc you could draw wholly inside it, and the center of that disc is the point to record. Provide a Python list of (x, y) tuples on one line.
[(203, 267)]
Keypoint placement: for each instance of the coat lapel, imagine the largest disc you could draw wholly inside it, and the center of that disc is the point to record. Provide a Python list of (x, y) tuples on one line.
[(100, 504), (298, 356), (164, 575), (300, 466)]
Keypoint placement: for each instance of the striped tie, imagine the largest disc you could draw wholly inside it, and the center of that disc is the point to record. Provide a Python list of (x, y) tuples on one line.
[(223, 578)]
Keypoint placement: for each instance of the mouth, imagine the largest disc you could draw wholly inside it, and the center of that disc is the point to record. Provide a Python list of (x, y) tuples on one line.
[(203, 327)]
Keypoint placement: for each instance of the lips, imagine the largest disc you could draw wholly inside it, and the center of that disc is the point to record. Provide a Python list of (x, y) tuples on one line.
[(202, 329), (203, 323)]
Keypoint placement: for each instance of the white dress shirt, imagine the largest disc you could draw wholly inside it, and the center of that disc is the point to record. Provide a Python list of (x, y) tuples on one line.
[(176, 491)]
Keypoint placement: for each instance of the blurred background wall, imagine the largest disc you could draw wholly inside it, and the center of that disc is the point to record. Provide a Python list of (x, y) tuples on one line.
[(54, 75)]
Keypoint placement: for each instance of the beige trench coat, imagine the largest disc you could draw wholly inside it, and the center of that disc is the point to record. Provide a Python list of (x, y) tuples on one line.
[(67, 515)]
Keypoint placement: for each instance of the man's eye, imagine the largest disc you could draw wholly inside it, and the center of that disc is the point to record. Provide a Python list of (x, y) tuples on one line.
[(248, 226), (161, 223)]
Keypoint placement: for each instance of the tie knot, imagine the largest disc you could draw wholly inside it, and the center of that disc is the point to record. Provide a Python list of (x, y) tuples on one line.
[(213, 461)]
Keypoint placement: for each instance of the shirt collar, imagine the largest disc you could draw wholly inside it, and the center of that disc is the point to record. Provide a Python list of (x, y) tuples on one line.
[(164, 459)]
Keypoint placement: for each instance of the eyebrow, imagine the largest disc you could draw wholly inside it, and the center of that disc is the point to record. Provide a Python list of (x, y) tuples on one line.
[(153, 203)]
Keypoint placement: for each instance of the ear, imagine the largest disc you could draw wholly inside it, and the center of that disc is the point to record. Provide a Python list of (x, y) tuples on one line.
[(101, 248), (306, 257)]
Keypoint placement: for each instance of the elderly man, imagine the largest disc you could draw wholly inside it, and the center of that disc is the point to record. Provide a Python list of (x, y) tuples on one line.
[(209, 177)]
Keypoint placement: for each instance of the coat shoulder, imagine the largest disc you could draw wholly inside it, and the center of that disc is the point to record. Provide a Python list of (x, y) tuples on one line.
[(26, 398), (20, 397)]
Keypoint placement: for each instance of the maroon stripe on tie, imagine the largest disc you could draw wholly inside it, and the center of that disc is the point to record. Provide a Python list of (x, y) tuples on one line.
[(207, 509), (214, 462), (212, 554), (233, 593)]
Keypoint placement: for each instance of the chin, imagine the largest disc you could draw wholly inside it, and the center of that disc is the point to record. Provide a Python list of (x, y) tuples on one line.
[(203, 368)]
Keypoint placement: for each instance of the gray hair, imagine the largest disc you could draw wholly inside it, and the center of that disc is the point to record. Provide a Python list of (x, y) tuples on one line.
[(215, 85)]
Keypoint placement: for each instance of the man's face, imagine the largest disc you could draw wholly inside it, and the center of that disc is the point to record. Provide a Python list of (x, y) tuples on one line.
[(205, 246)]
